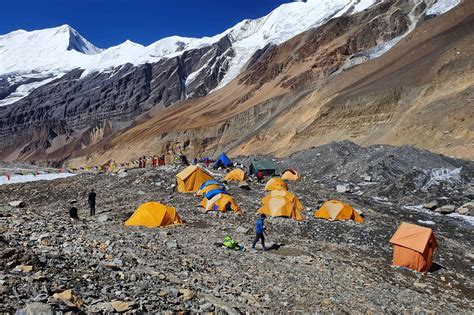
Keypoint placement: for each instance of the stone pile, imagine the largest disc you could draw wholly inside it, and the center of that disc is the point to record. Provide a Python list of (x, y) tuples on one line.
[(50, 263)]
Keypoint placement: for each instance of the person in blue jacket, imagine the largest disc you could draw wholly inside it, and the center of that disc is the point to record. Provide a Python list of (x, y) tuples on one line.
[(260, 231)]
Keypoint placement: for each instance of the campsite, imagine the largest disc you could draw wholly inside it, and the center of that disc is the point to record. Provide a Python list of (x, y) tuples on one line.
[(312, 263)]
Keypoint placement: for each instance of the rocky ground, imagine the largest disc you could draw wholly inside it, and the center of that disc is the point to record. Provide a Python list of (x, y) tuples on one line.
[(314, 265)]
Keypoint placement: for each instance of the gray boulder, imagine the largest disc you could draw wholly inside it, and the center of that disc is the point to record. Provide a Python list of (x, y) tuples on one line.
[(17, 204), (103, 218), (466, 208), (342, 188), (173, 244), (37, 308), (432, 205), (447, 209), (243, 230)]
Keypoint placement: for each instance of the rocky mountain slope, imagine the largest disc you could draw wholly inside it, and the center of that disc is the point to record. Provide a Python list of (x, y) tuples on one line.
[(92, 116), (339, 266), (323, 85)]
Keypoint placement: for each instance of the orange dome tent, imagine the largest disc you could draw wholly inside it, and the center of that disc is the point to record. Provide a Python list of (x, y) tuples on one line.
[(236, 175), (337, 210), (276, 183), (279, 203), (220, 202), (413, 247), (191, 178), (153, 214), (290, 175)]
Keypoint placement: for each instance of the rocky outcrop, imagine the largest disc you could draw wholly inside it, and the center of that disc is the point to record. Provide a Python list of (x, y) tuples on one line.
[(79, 101)]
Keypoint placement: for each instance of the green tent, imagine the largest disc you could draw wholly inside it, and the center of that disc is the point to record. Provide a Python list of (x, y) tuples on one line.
[(268, 168)]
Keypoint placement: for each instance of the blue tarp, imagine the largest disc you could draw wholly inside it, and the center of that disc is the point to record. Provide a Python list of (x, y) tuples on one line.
[(211, 182), (223, 160), (214, 192)]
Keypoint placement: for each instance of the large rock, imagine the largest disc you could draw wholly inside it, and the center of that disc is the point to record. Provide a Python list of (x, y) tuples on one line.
[(38, 309), (432, 205), (69, 298), (103, 218), (466, 208), (121, 306), (469, 191), (186, 294), (243, 230), (173, 244), (17, 204), (342, 188), (447, 209), (244, 185)]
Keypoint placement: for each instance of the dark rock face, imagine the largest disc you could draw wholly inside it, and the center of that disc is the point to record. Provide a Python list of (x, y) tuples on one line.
[(360, 32), (7, 87), (120, 95)]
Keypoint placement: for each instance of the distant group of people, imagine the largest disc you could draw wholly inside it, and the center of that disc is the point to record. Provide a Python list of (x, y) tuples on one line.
[(155, 161)]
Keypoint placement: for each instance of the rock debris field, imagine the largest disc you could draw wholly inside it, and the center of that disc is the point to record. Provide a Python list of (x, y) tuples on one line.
[(50, 264)]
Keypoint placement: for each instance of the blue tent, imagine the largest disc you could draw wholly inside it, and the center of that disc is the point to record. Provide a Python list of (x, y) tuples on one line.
[(214, 192), (211, 182), (223, 160)]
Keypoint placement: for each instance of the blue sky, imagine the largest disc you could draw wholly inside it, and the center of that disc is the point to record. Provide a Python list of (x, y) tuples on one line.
[(110, 22)]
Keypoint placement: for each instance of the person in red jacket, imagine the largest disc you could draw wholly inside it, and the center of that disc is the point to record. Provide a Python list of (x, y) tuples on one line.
[(259, 176)]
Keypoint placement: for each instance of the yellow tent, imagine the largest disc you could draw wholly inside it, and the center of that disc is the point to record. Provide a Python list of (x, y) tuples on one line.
[(276, 183), (279, 203), (336, 210), (221, 202), (191, 178), (290, 175), (207, 189), (153, 214), (236, 174)]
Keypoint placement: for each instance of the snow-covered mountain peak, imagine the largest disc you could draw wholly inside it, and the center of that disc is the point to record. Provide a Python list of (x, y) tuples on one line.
[(55, 51), (53, 48)]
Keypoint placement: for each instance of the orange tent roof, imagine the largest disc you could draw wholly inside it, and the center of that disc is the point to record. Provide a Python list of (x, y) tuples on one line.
[(191, 178), (154, 214), (279, 203), (220, 202), (290, 174), (337, 210), (236, 174), (413, 236), (276, 183)]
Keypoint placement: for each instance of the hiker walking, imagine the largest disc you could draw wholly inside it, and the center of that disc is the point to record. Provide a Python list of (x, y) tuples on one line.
[(91, 200), (259, 176), (260, 231)]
